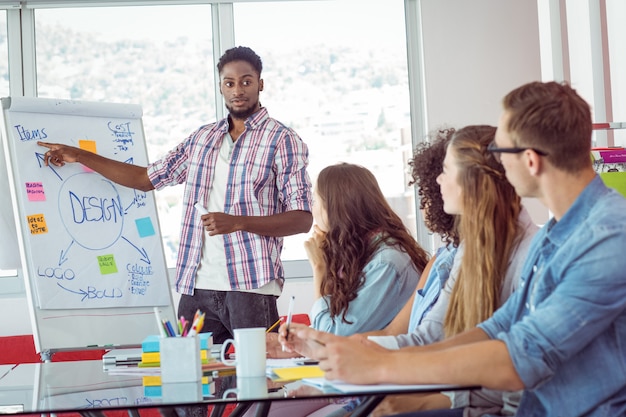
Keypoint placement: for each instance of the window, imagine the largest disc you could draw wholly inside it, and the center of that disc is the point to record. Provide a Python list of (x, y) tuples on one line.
[(157, 56), (615, 12), (4, 54), (345, 91), (586, 42), (10, 256)]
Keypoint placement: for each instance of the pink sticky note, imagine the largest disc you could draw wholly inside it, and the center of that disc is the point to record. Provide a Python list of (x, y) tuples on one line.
[(35, 192)]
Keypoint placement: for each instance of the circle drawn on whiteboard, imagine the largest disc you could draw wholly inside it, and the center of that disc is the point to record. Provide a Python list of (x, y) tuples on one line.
[(91, 213)]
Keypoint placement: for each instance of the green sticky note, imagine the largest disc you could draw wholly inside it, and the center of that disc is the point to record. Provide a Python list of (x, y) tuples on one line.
[(107, 264), (615, 180)]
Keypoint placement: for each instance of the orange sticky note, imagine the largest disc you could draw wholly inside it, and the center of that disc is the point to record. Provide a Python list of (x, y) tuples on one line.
[(88, 145), (37, 224)]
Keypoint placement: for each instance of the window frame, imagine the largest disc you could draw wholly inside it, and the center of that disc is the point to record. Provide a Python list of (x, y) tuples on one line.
[(23, 79)]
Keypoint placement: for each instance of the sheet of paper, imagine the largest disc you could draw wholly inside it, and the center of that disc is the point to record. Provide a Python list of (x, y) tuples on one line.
[(358, 388), (282, 363)]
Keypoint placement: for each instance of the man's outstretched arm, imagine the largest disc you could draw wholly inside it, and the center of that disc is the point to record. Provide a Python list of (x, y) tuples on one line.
[(128, 175)]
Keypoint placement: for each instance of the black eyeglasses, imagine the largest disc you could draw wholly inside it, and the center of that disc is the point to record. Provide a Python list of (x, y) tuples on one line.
[(497, 151)]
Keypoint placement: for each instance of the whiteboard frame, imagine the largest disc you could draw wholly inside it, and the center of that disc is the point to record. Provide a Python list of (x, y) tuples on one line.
[(73, 329)]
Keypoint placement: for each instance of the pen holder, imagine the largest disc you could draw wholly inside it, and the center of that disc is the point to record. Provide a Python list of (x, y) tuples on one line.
[(181, 392), (180, 359)]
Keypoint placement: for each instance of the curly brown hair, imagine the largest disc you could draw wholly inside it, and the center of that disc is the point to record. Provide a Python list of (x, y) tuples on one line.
[(426, 165), (360, 220)]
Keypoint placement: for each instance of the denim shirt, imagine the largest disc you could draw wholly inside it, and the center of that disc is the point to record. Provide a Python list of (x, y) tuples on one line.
[(426, 297), (565, 326), (390, 279)]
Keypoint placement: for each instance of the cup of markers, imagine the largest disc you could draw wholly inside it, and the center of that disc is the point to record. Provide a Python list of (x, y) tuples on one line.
[(180, 354), (184, 327)]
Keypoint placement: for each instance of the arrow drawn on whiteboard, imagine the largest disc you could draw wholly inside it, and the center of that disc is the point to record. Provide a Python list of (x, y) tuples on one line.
[(40, 160), (142, 251), (63, 257), (81, 292)]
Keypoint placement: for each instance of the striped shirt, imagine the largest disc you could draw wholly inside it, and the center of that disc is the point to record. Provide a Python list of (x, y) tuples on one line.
[(267, 176)]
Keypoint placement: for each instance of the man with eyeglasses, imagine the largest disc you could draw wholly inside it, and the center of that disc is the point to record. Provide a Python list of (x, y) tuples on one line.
[(561, 337)]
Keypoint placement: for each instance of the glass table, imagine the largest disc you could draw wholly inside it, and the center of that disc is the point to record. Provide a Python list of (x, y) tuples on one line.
[(85, 387)]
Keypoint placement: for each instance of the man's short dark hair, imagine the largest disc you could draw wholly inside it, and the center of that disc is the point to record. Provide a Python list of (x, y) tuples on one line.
[(240, 53), (554, 118)]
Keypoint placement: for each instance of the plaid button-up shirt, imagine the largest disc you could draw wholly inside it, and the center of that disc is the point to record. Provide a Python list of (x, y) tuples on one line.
[(267, 176)]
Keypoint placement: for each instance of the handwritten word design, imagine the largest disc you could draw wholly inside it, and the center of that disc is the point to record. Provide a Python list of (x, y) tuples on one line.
[(92, 213)]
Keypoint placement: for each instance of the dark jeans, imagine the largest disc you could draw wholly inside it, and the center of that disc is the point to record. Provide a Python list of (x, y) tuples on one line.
[(228, 310)]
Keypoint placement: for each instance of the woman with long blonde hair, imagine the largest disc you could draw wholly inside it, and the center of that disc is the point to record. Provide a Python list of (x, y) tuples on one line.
[(490, 228), (495, 232)]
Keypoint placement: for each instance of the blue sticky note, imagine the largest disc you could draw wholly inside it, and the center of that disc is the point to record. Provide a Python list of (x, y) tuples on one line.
[(157, 390), (152, 391), (151, 343), (144, 227), (206, 340)]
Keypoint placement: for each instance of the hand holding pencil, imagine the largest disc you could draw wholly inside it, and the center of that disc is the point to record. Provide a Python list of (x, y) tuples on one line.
[(291, 343)]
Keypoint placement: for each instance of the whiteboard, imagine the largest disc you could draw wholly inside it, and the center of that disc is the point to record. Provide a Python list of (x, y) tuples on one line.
[(91, 250)]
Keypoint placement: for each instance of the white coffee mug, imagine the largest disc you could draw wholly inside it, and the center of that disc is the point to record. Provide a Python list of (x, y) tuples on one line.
[(249, 388), (250, 353)]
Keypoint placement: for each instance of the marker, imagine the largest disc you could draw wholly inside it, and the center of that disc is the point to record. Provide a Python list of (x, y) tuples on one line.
[(201, 209), (289, 315)]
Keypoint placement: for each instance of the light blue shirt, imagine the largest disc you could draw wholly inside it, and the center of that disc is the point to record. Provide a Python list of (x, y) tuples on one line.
[(565, 327), (390, 279), (430, 328), (426, 297)]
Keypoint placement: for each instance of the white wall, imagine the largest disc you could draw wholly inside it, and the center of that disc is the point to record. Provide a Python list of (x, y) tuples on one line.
[(474, 53)]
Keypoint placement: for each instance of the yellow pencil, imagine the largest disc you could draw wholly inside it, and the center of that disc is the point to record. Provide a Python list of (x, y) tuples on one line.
[(273, 326)]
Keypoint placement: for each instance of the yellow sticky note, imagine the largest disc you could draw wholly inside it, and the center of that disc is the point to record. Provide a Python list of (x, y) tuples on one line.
[(88, 145), (151, 380), (299, 372)]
